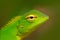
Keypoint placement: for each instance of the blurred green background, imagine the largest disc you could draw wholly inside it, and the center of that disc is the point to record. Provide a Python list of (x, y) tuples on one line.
[(50, 30)]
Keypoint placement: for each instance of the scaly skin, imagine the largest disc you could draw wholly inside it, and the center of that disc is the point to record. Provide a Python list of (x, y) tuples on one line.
[(20, 27)]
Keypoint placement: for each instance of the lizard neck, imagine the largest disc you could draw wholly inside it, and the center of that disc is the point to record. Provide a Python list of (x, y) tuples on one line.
[(18, 37)]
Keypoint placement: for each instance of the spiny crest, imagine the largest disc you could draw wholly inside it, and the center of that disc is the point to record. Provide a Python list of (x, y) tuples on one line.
[(13, 20)]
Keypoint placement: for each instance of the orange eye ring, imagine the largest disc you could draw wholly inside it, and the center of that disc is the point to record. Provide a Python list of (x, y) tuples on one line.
[(31, 17)]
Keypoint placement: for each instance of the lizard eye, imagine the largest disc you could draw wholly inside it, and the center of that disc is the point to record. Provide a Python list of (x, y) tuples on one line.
[(31, 17)]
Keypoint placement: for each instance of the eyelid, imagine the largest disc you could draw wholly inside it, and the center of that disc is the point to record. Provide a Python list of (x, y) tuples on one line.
[(34, 16), (29, 17)]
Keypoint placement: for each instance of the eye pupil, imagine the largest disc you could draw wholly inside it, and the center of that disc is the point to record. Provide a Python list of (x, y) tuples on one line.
[(31, 17)]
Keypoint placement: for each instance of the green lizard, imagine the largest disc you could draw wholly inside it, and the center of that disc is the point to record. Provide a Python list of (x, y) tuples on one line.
[(20, 26)]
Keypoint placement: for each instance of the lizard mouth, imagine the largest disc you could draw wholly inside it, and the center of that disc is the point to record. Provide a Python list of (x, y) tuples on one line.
[(25, 33)]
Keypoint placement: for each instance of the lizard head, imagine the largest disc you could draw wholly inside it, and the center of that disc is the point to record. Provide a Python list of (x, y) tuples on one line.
[(30, 20)]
